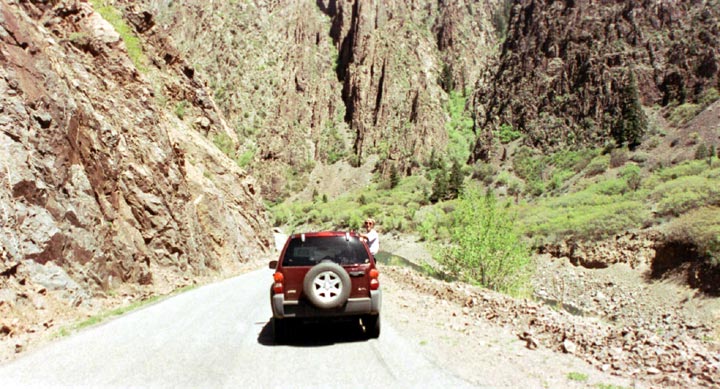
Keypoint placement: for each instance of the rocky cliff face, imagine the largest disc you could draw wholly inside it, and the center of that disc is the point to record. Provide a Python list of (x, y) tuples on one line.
[(568, 68), (99, 178), (317, 81)]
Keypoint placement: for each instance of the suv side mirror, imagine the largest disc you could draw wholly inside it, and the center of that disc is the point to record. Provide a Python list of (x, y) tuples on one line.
[(273, 264)]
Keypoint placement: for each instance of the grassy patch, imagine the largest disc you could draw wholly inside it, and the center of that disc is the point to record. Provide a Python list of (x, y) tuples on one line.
[(132, 43), (101, 317), (609, 386), (579, 377)]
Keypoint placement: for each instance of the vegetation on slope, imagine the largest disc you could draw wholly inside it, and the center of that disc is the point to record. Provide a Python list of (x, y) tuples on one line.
[(582, 197)]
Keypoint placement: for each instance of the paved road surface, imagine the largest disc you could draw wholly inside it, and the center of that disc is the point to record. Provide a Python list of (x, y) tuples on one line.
[(219, 336)]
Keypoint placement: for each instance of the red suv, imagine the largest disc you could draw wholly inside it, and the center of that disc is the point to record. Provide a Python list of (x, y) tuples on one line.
[(325, 274)]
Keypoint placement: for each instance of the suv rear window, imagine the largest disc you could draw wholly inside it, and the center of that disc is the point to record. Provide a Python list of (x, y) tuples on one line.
[(317, 249)]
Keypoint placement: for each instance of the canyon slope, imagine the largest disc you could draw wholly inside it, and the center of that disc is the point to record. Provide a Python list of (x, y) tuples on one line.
[(103, 183)]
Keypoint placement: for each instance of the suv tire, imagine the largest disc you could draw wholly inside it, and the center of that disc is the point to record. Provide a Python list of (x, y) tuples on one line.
[(372, 326), (327, 285), (280, 330)]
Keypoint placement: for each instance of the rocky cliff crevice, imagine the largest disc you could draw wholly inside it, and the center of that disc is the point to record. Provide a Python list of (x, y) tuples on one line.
[(345, 80), (395, 59), (99, 177)]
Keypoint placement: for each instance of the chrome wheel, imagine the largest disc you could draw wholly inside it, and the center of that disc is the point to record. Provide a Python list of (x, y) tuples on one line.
[(327, 286)]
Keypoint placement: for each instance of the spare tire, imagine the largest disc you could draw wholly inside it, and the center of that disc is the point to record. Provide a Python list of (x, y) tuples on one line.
[(327, 285)]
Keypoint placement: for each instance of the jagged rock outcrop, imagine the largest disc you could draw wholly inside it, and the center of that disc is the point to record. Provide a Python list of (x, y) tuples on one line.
[(343, 79), (632, 248), (569, 69), (98, 175)]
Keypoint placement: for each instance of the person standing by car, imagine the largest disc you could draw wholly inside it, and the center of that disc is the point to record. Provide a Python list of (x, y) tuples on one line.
[(371, 236)]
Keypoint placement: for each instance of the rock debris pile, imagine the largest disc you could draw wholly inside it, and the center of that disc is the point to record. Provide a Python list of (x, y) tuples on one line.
[(673, 358)]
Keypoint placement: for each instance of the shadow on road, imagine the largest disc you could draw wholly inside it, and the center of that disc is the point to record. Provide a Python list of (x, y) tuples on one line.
[(316, 333)]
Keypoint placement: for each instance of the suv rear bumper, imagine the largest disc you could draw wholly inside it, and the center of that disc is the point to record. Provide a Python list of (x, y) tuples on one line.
[(301, 308)]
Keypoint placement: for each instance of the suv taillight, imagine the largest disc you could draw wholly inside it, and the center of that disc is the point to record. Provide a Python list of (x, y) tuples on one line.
[(278, 285), (374, 283)]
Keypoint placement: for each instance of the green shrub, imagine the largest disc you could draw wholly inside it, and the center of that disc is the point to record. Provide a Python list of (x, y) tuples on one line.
[(701, 151), (618, 157), (429, 220), (685, 193), (574, 160), (535, 188), (132, 43), (631, 174), (687, 168), (598, 165), (246, 157), (583, 215), (701, 228), (613, 186), (527, 165), (558, 178), (225, 144), (708, 97), (459, 128), (506, 133), (515, 187), (683, 113), (503, 178), (580, 377), (484, 172), (640, 157), (486, 247), (180, 109)]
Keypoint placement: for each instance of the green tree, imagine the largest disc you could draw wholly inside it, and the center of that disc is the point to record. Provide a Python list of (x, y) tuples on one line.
[(486, 246), (632, 122), (702, 152), (455, 184), (440, 185), (394, 176)]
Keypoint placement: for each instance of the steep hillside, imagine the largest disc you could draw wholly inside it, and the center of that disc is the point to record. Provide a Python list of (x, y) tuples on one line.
[(574, 73), (104, 181), (318, 81)]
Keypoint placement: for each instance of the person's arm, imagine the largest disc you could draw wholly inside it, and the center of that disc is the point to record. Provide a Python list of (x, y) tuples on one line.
[(374, 234)]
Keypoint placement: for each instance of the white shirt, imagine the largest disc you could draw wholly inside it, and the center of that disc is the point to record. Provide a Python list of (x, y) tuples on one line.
[(373, 241)]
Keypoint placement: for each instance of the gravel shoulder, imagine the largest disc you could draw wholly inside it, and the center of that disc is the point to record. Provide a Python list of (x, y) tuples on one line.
[(646, 333), (477, 350)]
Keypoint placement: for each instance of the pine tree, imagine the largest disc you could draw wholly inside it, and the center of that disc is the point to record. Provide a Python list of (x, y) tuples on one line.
[(440, 186), (632, 123), (455, 184), (701, 152), (394, 176)]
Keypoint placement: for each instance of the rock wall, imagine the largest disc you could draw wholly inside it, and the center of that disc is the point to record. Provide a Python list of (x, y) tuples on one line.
[(99, 172), (565, 67), (307, 82)]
